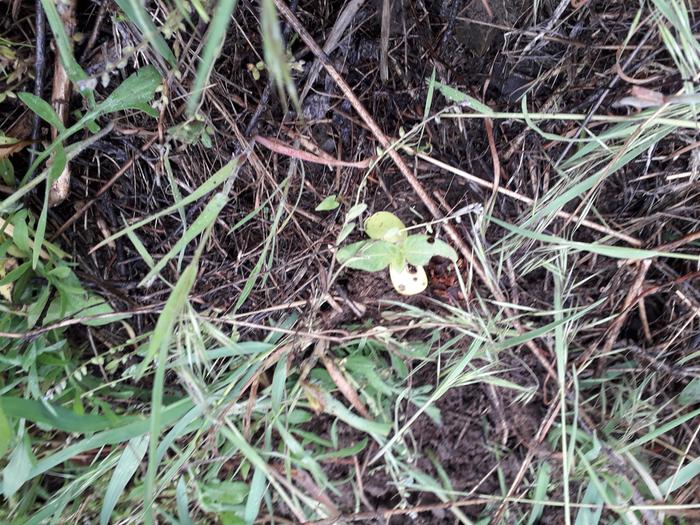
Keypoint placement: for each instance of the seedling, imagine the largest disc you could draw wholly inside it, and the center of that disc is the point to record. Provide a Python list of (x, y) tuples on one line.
[(390, 245)]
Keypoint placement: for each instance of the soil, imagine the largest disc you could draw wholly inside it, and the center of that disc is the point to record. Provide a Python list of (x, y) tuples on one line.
[(469, 49)]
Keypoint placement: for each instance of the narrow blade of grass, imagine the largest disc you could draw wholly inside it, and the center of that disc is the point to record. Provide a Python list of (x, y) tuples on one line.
[(136, 12), (214, 42), (129, 462)]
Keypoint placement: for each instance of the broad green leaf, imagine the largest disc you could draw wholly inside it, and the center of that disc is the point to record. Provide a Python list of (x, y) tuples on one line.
[(20, 235), (370, 256), (419, 249), (328, 204), (43, 109), (35, 309), (135, 92), (94, 305), (129, 462), (137, 14), (385, 226), (220, 496), (408, 280)]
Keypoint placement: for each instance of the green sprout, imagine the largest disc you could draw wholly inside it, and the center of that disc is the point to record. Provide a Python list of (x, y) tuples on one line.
[(390, 245)]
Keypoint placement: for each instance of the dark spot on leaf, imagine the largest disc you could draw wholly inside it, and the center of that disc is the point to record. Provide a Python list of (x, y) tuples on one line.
[(431, 240)]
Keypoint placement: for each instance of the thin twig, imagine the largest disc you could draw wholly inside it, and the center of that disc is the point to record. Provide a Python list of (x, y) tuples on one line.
[(79, 213), (39, 65)]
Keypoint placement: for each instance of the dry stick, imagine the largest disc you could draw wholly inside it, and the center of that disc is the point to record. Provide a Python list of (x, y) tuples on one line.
[(522, 198), (602, 97), (289, 151), (488, 124), (408, 174), (39, 65), (346, 16), (60, 99), (384, 41)]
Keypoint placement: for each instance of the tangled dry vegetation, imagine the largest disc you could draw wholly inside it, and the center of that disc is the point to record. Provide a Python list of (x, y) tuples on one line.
[(180, 344)]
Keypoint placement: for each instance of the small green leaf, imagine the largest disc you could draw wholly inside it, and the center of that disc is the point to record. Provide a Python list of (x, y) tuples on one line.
[(134, 93), (21, 233), (43, 109), (355, 211), (370, 256), (347, 230), (328, 204), (454, 95), (419, 249), (385, 226)]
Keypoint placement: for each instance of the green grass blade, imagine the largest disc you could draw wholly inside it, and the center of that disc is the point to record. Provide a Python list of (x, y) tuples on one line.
[(540, 492), (275, 52), (205, 219), (258, 485), (65, 48), (60, 162), (212, 49), (58, 417), (616, 252), (112, 436), (684, 476), (229, 170), (136, 12), (160, 344), (129, 462)]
